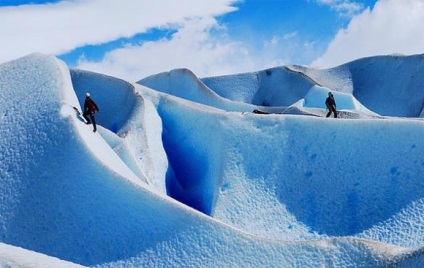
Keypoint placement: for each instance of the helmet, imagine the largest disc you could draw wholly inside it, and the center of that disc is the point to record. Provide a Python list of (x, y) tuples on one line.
[(329, 94), (87, 95)]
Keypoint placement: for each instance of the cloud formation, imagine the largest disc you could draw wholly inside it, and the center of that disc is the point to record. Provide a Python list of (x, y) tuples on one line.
[(192, 47), (61, 27), (200, 42), (345, 8), (391, 27)]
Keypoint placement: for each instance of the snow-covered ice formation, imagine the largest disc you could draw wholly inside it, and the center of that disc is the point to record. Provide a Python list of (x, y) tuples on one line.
[(182, 174)]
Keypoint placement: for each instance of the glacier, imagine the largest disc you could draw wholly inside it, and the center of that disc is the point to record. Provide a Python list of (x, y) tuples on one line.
[(181, 173)]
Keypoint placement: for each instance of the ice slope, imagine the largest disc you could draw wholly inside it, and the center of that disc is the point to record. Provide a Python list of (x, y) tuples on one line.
[(260, 184), (277, 86), (133, 135), (277, 90), (11, 256), (184, 84), (301, 177), (387, 85)]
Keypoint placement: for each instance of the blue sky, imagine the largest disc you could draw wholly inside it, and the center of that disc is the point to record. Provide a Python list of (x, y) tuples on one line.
[(132, 39)]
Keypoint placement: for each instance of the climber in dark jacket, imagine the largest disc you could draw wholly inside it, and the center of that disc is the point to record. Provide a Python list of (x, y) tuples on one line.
[(331, 105), (90, 108)]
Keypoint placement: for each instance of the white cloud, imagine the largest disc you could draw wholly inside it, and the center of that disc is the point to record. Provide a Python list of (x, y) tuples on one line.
[(60, 27), (345, 8), (275, 40), (392, 27), (289, 35), (192, 47), (201, 45)]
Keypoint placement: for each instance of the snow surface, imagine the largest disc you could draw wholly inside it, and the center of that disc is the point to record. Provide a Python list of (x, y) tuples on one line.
[(181, 173)]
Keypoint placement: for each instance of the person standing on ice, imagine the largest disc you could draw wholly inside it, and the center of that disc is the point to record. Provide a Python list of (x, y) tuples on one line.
[(331, 105), (90, 108)]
